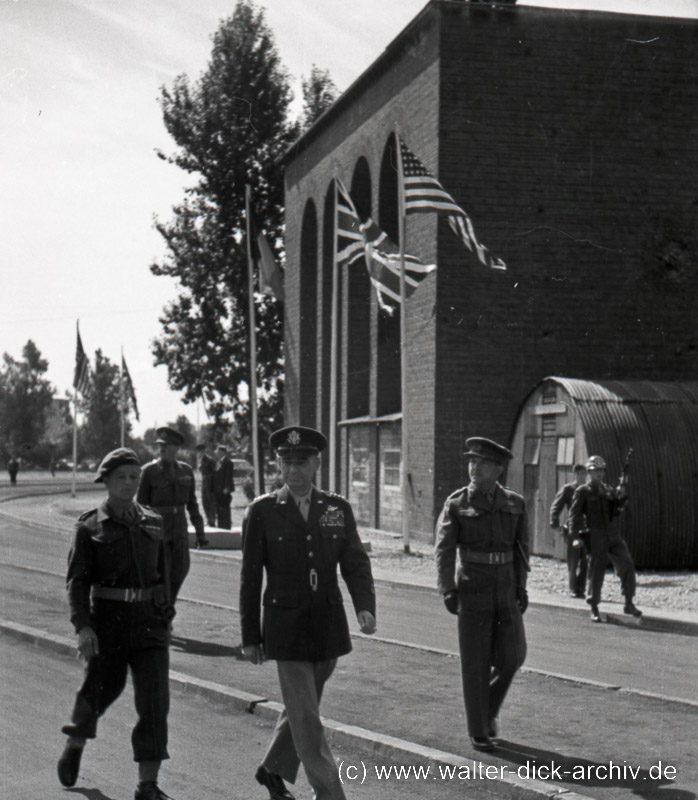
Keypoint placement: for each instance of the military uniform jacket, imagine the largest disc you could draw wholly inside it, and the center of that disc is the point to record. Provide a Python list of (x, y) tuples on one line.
[(304, 617), (223, 477), (108, 552), (594, 507), (207, 466), (169, 493), (563, 499), (469, 521)]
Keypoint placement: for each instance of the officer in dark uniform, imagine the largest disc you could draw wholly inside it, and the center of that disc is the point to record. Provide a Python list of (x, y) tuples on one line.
[(168, 486), (118, 592), (576, 549), (485, 524), (298, 535), (223, 487), (593, 513), (207, 466)]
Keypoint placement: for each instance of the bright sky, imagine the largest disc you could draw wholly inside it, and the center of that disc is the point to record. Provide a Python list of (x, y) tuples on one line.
[(79, 126)]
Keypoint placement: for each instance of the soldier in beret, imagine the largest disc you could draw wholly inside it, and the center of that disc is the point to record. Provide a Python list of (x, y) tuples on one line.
[(593, 514), (169, 487), (298, 535), (118, 592), (485, 525)]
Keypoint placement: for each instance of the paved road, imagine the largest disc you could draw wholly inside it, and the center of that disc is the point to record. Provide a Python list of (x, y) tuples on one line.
[(412, 693)]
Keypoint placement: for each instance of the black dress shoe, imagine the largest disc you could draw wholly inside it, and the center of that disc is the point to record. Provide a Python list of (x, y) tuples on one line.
[(595, 616), (149, 790), (276, 787), (200, 543), (482, 743), (631, 609), (69, 765), (493, 728)]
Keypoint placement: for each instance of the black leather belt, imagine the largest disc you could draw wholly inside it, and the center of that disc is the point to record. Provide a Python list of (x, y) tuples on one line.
[(478, 557), (129, 595), (168, 509)]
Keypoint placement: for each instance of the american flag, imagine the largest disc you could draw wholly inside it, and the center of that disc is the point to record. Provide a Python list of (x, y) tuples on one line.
[(356, 239), (127, 387), (423, 193), (82, 379)]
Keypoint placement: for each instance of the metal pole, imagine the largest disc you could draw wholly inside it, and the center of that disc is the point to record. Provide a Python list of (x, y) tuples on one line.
[(332, 470), (75, 441), (404, 477), (121, 397), (253, 349)]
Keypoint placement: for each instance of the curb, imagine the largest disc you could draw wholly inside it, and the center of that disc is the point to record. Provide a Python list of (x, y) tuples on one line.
[(372, 742)]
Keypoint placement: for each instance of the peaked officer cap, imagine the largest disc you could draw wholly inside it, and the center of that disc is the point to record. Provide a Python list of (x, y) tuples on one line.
[(169, 436), (117, 458), (596, 462), (295, 440), (486, 448)]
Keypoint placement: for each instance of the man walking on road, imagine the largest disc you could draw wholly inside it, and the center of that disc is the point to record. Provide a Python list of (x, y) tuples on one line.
[(168, 486), (576, 549), (594, 511), (297, 536), (223, 487), (486, 525)]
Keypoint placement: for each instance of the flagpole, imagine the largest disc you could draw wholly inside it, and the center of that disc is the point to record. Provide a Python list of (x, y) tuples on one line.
[(332, 470), (403, 351), (253, 348), (121, 395), (75, 441)]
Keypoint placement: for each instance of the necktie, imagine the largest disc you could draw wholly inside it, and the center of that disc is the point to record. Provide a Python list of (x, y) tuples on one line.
[(303, 505)]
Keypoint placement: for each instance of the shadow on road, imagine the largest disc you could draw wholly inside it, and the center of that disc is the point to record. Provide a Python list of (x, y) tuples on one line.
[(91, 794), (653, 783), (199, 648)]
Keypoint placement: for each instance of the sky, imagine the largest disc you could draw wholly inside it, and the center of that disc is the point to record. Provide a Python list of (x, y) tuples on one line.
[(79, 128)]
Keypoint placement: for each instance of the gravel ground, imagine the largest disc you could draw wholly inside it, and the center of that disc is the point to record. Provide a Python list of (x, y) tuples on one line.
[(668, 590)]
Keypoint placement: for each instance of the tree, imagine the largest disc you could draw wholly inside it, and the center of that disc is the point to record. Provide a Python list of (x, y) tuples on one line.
[(101, 431), (25, 397), (319, 92), (231, 129)]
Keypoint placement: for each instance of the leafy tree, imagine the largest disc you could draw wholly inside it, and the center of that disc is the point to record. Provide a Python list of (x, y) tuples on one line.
[(25, 398), (231, 129), (319, 92), (101, 431)]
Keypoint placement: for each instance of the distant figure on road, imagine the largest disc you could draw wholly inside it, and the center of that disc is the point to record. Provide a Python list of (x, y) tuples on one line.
[(576, 549), (207, 466), (595, 508), (120, 607), (13, 469), (298, 535), (486, 525), (223, 487), (168, 486)]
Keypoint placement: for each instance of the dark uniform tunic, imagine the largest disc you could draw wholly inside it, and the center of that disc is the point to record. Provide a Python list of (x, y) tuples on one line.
[(110, 555), (223, 488), (576, 556), (491, 538), (170, 489), (594, 510)]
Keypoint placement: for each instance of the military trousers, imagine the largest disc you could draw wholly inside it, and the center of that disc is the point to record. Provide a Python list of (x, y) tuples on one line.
[(576, 566), (491, 638), (602, 545), (178, 560), (223, 515), (131, 636), (208, 501), (299, 736)]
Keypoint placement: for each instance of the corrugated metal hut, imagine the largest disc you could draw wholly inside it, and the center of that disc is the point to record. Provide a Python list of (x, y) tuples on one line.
[(565, 420)]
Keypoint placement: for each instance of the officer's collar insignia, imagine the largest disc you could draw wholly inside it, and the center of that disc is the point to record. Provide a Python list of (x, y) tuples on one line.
[(294, 438)]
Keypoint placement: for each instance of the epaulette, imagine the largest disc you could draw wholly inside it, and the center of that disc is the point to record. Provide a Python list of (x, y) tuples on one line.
[(457, 493), (149, 512), (335, 496), (514, 493), (84, 519), (267, 496)]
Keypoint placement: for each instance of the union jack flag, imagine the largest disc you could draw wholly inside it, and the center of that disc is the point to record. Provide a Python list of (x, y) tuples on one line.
[(423, 193)]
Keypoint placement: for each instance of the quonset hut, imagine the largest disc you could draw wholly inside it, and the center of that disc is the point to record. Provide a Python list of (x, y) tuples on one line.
[(563, 421), (567, 137)]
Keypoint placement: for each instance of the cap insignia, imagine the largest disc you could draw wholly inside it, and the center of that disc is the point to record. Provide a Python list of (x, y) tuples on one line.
[(294, 438)]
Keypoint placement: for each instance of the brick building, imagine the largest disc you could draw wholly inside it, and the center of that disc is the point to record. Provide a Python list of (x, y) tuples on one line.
[(571, 140)]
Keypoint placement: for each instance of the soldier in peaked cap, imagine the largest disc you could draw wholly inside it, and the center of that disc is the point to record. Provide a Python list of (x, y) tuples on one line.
[(168, 486), (593, 513), (485, 525), (118, 592), (297, 536)]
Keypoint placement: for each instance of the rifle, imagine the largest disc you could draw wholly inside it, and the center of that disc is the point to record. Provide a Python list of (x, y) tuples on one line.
[(623, 477)]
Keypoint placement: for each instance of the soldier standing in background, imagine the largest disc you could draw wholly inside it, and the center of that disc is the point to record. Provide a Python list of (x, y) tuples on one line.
[(223, 487), (120, 608), (486, 525), (168, 486), (207, 466), (13, 469), (594, 511), (576, 549)]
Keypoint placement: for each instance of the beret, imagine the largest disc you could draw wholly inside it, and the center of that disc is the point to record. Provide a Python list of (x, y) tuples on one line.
[(117, 458), (295, 440), (486, 448), (169, 436)]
